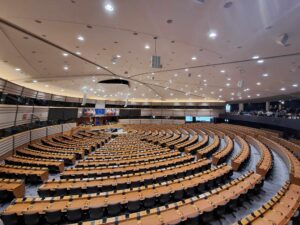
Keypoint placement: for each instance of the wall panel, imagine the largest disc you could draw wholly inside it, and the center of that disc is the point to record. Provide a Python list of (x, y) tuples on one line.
[(7, 115)]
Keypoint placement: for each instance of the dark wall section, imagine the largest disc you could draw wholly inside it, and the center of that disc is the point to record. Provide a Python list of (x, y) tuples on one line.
[(58, 114), (130, 113)]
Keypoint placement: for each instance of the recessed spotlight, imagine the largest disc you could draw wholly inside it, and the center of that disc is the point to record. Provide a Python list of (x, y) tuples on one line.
[(249, 96), (295, 85), (118, 56), (171, 94), (66, 67), (199, 75), (46, 85), (147, 46), (282, 89), (194, 58), (78, 53), (228, 78), (260, 61), (98, 68), (18, 69), (265, 75), (222, 71), (258, 83), (80, 38), (228, 84), (204, 80), (175, 75), (186, 70), (109, 7), (220, 89), (34, 81), (212, 35), (220, 96), (255, 57), (257, 95), (65, 54)]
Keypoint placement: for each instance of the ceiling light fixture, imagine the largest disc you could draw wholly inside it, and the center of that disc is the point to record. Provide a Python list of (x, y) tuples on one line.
[(212, 35), (295, 85), (255, 57), (65, 54), (194, 58), (147, 46), (109, 7), (66, 67), (222, 71), (80, 38), (18, 69), (282, 89), (261, 61), (258, 83), (265, 75), (34, 81), (78, 53)]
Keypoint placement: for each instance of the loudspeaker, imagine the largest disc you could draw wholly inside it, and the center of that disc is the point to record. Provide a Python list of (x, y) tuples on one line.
[(83, 99), (283, 39)]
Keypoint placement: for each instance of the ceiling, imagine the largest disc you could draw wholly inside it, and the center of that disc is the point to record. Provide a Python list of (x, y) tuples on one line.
[(34, 34)]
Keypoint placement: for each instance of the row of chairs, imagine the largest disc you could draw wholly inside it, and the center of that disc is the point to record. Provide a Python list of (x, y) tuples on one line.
[(105, 171), (172, 144), (199, 209), (96, 206), (192, 149), (112, 183), (292, 162), (265, 164), (10, 189), (180, 147), (208, 150), (240, 160), (54, 166), (282, 208), (95, 162), (223, 154), (69, 159), (29, 174), (41, 147)]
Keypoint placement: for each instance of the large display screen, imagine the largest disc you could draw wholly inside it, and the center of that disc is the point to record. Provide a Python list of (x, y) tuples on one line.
[(188, 119), (203, 119), (99, 111)]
